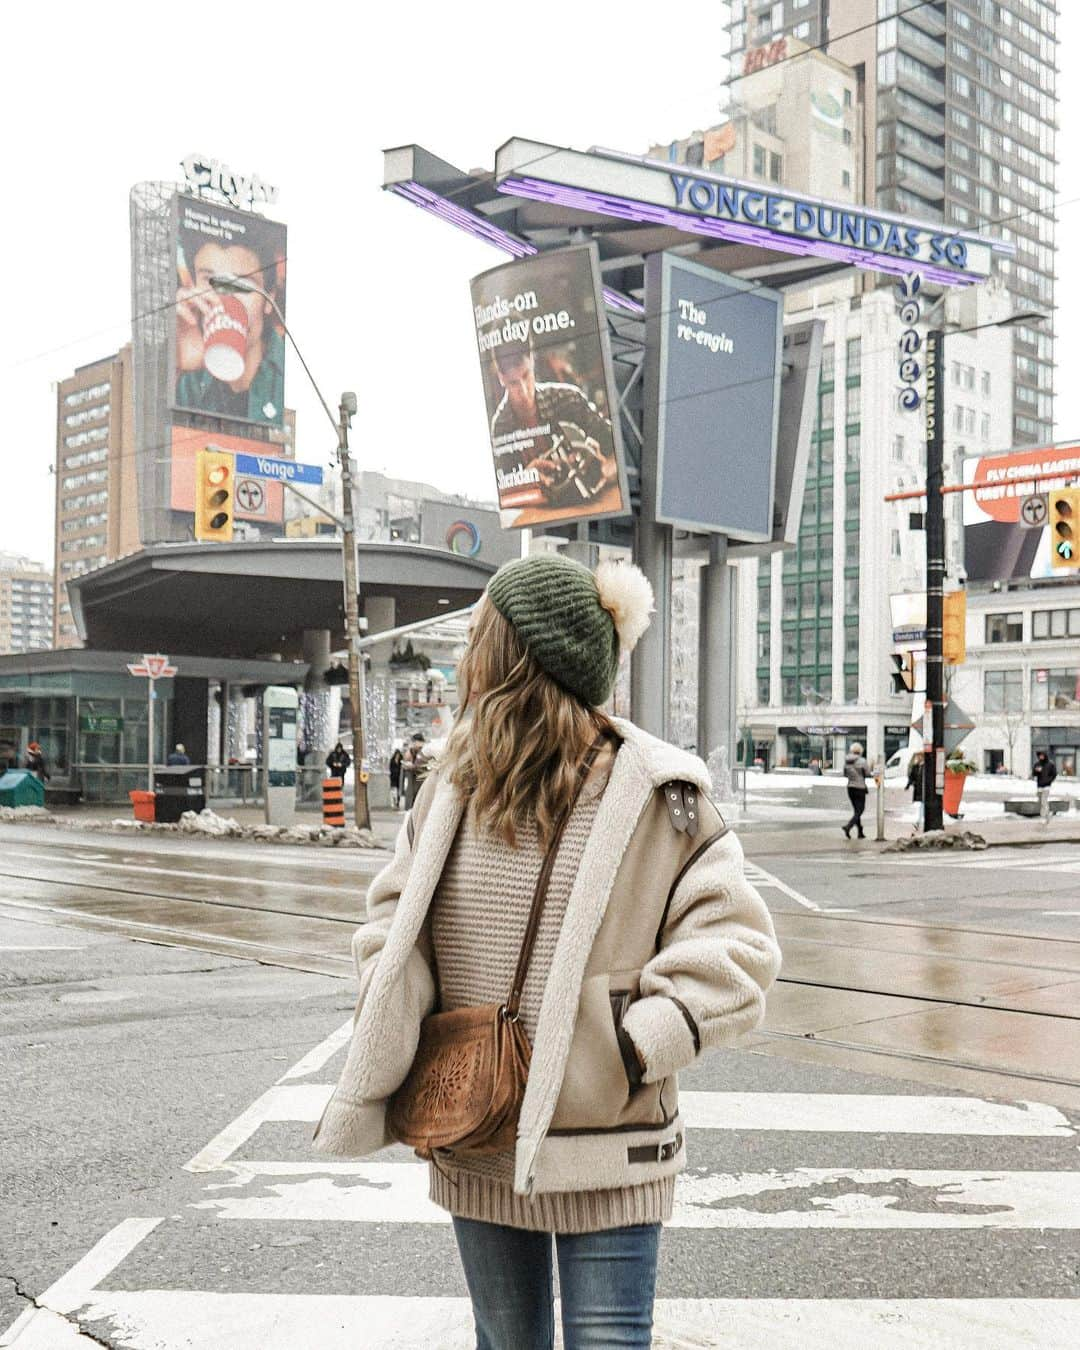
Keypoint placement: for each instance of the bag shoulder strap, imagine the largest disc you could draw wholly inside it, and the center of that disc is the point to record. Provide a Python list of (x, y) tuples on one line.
[(513, 1003)]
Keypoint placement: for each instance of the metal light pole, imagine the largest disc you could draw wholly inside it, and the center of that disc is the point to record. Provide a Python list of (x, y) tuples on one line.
[(935, 576), (934, 759), (228, 284)]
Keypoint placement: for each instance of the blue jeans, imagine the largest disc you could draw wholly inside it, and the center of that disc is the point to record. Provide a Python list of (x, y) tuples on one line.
[(607, 1281)]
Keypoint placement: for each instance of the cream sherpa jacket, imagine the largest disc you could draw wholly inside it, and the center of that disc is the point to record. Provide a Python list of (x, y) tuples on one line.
[(663, 942)]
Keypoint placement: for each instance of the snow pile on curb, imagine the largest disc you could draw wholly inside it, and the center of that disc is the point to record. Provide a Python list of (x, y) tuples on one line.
[(209, 822), (25, 813), (206, 824), (937, 839)]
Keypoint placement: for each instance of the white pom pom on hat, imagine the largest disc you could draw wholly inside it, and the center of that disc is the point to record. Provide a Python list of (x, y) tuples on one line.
[(627, 596)]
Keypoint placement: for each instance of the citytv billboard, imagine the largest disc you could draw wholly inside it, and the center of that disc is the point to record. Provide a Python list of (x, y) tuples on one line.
[(228, 356), (549, 391), (720, 367)]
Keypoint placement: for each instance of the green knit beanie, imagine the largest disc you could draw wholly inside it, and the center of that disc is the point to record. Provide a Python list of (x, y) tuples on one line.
[(573, 622)]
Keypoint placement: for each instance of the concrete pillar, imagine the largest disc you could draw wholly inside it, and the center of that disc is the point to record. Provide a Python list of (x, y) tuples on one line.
[(716, 654), (650, 669), (381, 614), (316, 652)]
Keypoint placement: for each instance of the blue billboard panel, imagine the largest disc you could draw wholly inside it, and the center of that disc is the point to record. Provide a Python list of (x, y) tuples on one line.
[(718, 404)]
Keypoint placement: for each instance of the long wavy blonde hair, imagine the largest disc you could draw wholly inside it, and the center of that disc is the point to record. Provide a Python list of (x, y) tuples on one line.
[(519, 738)]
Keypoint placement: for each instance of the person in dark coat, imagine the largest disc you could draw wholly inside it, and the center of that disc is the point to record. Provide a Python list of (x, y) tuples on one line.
[(178, 758), (338, 761), (395, 776), (35, 762), (856, 771), (915, 773), (1044, 771)]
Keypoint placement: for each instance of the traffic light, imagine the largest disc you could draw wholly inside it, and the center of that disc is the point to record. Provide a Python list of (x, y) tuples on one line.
[(903, 672), (954, 621), (214, 474), (1065, 527)]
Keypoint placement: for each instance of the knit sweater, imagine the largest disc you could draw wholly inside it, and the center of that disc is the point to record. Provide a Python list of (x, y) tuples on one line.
[(479, 913)]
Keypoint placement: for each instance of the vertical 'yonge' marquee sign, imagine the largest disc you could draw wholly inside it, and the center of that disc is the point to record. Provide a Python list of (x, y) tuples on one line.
[(907, 289)]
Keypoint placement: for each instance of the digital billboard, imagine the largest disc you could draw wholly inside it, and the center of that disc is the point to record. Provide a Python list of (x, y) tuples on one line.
[(549, 390), (718, 400), (998, 543), (256, 499), (229, 352)]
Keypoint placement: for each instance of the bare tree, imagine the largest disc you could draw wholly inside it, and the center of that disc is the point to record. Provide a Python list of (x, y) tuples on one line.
[(1012, 721)]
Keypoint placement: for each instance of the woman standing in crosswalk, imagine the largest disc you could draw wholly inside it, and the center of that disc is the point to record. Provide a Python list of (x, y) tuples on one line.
[(646, 946)]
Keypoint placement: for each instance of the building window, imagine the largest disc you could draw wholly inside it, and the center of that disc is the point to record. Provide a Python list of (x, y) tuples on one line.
[(1003, 691), (894, 543), (986, 383), (1005, 628), (1055, 689), (776, 167), (845, 178), (762, 688), (759, 161), (898, 449), (847, 98), (1047, 624)]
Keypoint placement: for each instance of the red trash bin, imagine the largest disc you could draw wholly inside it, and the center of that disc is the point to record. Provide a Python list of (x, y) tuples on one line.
[(143, 805)]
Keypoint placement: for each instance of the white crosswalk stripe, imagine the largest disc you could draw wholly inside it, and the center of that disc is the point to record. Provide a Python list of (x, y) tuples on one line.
[(245, 1196)]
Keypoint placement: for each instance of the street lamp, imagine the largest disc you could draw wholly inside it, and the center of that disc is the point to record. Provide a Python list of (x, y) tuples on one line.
[(935, 553), (227, 284)]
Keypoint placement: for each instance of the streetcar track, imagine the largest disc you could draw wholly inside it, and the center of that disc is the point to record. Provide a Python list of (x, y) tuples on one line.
[(323, 917), (182, 899), (812, 1038)]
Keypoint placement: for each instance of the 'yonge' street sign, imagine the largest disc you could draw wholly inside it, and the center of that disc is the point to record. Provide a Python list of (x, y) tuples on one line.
[(651, 191)]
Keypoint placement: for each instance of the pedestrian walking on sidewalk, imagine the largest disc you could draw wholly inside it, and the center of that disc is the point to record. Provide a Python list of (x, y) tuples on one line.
[(35, 762), (545, 816), (856, 771), (1044, 771), (338, 761)]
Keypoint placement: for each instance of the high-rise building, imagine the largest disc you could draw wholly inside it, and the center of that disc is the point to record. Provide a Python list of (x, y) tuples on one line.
[(796, 124), (103, 512), (26, 605), (96, 488), (958, 123)]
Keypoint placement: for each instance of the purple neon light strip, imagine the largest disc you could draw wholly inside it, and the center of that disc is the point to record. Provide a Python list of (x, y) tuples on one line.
[(728, 230), (490, 233)]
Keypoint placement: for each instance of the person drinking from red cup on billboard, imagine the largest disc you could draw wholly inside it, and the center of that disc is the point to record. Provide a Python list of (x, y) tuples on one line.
[(230, 356)]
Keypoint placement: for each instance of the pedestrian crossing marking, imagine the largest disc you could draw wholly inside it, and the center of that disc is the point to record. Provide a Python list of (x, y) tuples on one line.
[(310, 1190), (757, 876), (155, 1319), (803, 1198)]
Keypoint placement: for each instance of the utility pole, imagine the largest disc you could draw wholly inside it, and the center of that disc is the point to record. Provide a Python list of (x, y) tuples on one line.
[(935, 576), (346, 409)]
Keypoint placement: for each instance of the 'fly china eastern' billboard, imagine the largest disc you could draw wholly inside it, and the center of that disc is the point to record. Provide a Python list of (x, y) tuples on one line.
[(998, 546), (229, 350), (549, 391)]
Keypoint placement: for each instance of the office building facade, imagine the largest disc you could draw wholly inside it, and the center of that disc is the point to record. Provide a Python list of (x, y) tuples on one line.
[(958, 125)]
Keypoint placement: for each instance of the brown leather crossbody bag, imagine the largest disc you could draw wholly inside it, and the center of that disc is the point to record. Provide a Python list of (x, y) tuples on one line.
[(467, 1081)]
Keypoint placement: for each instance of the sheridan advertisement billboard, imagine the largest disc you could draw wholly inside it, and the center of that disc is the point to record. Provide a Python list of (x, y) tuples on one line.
[(551, 400), (998, 545)]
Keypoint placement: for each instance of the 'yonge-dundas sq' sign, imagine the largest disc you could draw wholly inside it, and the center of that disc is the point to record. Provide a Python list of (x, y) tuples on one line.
[(643, 190)]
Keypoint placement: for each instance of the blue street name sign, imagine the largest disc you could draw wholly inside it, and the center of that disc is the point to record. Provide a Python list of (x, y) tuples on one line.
[(284, 470)]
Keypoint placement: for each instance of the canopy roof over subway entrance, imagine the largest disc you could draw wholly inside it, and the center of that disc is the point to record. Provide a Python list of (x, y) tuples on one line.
[(244, 600), (543, 196)]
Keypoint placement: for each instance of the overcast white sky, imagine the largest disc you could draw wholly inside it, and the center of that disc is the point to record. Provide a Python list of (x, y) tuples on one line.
[(96, 98)]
